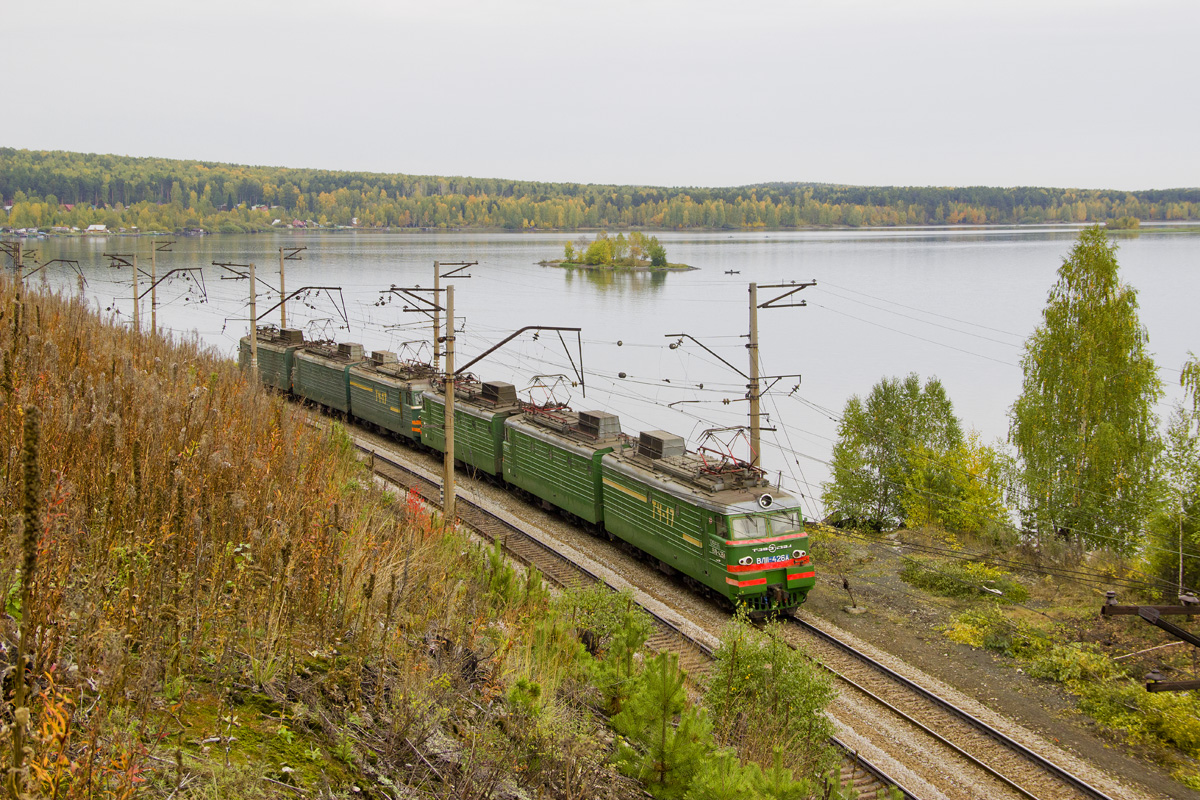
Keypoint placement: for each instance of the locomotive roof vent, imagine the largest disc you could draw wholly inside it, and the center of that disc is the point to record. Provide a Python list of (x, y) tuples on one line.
[(500, 393), (292, 335), (351, 350), (600, 424), (660, 444), (381, 357)]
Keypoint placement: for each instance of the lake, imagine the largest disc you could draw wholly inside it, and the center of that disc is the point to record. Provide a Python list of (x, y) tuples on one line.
[(957, 304)]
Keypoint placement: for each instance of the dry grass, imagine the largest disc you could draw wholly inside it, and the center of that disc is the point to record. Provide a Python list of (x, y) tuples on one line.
[(223, 602)]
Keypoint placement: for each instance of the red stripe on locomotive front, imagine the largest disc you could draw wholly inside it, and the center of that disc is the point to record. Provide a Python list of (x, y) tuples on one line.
[(751, 582)]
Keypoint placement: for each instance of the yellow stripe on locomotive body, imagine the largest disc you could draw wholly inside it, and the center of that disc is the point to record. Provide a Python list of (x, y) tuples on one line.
[(614, 485)]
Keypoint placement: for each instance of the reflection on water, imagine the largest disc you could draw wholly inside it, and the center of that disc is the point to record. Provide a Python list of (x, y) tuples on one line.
[(953, 303), (619, 280)]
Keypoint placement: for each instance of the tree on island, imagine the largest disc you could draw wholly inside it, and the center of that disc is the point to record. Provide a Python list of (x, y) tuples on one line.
[(638, 250)]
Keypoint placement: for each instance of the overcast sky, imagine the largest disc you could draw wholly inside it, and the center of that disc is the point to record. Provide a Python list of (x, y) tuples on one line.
[(1078, 93)]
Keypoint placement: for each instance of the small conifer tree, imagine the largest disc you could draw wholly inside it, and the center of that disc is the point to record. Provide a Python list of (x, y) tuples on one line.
[(762, 692), (615, 673), (723, 777), (662, 753), (776, 783)]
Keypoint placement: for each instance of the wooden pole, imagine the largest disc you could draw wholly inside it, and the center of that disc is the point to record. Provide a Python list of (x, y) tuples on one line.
[(755, 420), (448, 467), (137, 318), (282, 294), (153, 290), (253, 325), (437, 281)]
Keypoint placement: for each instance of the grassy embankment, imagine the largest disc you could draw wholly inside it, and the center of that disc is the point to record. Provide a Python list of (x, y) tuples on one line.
[(216, 600), (1040, 606), (225, 605)]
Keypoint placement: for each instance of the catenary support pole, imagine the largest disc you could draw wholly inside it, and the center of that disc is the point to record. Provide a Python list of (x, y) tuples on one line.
[(448, 469), (253, 325), (282, 295), (137, 317), (437, 282), (153, 290), (755, 418)]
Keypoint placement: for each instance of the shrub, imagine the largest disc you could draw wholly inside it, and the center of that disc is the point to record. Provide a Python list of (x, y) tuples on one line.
[(657, 253), (1073, 664), (964, 579), (988, 628), (763, 693)]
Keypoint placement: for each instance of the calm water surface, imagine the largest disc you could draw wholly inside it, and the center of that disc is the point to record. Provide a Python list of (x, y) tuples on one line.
[(957, 304)]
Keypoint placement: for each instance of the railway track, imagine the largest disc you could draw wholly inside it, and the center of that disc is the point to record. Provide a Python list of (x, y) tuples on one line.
[(940, 731), (961, 755), (695, 657)]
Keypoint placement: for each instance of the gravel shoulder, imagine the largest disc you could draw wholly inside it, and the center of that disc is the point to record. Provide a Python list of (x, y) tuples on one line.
[(904, 622)]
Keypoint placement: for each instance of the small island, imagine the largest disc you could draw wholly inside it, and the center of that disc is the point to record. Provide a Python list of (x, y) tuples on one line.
[(638, 252)]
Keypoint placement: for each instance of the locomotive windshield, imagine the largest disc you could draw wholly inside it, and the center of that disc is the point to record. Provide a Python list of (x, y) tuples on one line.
[(785, 522), (758, 526), (748, 527)]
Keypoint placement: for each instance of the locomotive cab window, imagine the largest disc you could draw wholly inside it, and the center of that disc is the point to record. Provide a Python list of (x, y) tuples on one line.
[(785, 522), (748, 527)]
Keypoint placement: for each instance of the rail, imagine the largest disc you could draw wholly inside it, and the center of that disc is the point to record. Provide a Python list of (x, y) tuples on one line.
[(1008, 742), (517, 542)]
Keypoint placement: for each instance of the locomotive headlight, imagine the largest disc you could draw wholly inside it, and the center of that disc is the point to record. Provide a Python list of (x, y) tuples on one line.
[(746, 561), (798, 554)]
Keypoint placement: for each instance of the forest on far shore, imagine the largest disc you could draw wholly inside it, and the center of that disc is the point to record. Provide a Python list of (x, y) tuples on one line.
[(48, 189)]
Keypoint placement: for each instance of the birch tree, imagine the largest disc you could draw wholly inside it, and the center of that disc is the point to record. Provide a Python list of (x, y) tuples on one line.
[(1174, 552), (872, 459), (1084, 426)]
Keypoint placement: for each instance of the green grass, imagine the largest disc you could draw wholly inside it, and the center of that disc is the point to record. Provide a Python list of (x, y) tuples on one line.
[(1109, 691)]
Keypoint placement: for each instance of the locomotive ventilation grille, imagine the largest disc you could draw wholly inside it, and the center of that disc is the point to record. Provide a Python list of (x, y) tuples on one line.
[(660, 444), (500, 393)]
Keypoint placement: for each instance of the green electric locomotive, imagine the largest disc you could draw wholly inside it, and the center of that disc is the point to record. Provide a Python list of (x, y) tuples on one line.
[(388, 394), (479, 414), (715, 519), (276, 353), (704, 514), (321, 373), (554, 454)]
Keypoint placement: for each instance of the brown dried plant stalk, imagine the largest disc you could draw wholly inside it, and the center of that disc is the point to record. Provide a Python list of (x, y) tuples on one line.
[(31, 468)]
